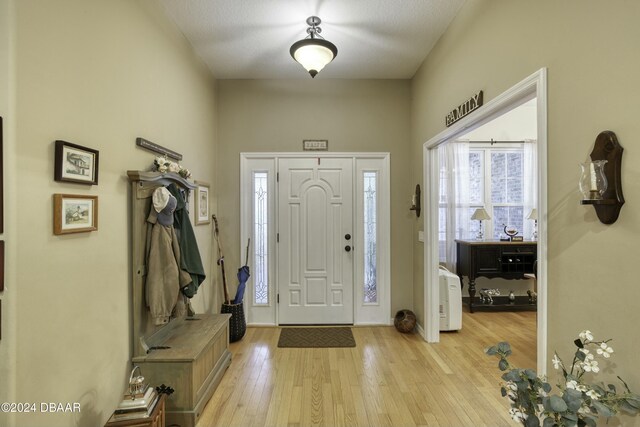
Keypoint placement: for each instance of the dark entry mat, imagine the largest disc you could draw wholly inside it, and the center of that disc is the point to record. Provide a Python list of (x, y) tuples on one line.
[(316, 337)]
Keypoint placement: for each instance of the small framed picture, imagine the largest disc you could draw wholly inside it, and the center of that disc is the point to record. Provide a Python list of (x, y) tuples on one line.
[(74, 213), (75, 163), (202, 203)]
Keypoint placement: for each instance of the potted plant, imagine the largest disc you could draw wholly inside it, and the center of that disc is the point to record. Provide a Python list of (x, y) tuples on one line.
[(578, 402)]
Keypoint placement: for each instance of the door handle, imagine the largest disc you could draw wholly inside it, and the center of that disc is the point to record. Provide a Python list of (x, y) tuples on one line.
[(347, 236), (347, 248)]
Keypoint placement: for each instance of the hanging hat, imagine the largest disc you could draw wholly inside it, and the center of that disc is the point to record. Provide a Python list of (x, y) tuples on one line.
[(165, 216), (160, 198)]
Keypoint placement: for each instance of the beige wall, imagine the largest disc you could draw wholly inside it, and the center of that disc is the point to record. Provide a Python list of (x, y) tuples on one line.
[(591, 51), (354, 115), (98, 74)]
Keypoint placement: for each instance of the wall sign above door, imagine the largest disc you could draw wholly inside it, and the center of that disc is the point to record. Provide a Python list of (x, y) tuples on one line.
[(315, 145), (464, 109)]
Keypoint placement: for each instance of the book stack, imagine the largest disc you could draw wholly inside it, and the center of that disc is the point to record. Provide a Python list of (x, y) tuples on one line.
[(140, 405)]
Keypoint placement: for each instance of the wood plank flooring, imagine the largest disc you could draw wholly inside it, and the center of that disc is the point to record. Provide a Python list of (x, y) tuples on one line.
[(388, 379)]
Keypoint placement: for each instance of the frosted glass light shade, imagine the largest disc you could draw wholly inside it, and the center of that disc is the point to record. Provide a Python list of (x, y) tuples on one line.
[(533, 214), (313, 54)]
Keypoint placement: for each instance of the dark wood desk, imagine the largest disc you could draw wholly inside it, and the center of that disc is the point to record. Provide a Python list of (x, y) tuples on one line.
[(493, 258)]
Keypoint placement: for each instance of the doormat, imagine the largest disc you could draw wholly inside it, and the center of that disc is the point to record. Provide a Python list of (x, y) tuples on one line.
[(316, 337)]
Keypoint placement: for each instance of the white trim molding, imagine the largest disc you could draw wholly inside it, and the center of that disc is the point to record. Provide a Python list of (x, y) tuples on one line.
[(534, 86)]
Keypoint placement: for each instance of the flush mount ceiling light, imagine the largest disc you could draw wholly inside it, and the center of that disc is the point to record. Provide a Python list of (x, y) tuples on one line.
[(314, 52)]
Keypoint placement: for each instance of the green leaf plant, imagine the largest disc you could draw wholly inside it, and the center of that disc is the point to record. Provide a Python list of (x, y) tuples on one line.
[(578, 402)]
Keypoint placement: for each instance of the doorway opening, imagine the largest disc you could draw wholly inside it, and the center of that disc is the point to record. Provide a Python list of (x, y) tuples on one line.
[(498, 183)]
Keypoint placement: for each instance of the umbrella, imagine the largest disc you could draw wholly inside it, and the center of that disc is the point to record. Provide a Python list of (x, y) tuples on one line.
[(243, 276)]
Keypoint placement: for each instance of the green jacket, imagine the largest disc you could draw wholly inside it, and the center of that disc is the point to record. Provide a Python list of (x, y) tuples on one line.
[(190, 260)]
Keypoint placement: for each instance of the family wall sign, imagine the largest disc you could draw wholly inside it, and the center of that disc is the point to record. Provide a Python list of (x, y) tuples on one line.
[(464, 109)]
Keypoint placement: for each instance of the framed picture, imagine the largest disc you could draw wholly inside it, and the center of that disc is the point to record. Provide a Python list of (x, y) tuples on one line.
[(75, 163), (202, 203), (74, 213), (1, 265), (1, 184)]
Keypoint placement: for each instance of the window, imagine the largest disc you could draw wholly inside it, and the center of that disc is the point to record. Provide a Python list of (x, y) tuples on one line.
[(370, 232), (495, 183), (261, 236)]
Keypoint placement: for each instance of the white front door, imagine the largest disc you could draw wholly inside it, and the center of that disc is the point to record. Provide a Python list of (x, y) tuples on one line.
[(315, 226)]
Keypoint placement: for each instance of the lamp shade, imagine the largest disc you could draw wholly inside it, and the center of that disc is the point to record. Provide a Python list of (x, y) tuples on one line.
[(314, 52), (533, 214), (480, 214)]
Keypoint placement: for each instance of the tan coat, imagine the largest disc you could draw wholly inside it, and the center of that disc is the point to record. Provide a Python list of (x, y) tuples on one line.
[(164, 276)]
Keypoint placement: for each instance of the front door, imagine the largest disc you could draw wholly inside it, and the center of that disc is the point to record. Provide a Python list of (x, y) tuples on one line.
[(315, 226)]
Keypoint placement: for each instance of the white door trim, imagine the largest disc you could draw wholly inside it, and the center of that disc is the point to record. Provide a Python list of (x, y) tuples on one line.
[(533, 86), (267, 161)]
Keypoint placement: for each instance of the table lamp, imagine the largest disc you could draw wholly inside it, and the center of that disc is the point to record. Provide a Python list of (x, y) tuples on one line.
[(480, 214)]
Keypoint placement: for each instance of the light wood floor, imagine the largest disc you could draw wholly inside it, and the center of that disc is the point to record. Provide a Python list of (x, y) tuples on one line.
[(388, 379)]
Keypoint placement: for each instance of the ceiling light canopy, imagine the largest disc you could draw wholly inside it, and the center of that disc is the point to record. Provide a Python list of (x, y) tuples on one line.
[(313, 52)]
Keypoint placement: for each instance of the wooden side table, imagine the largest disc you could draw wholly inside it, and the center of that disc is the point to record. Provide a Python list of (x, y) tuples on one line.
[(155, 419)]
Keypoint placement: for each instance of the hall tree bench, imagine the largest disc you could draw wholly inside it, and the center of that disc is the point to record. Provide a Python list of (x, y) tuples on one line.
[(189, 354)]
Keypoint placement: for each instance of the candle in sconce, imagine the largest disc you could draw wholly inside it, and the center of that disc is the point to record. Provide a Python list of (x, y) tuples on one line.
[(592, 171), (413, 200)]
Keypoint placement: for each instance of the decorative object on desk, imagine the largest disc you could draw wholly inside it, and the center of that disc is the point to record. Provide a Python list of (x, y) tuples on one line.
[(75, 163), (313, 52), (517, 238), (533, 215), (512, 297), (486, 295), (480, 214), (415, 201), (139, 399), (74, 213), (162, 164), (593, 182), (606, 196), (202, 203), (533, 297), (580, 402), (405, 321), (510, 231)]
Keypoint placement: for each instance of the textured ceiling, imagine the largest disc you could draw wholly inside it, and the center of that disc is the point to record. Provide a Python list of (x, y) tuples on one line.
[(250, 39)]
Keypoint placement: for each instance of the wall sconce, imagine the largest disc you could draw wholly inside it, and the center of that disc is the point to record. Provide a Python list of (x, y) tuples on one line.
[(415, 201), (534, 216), (480, 214), (601, 179)]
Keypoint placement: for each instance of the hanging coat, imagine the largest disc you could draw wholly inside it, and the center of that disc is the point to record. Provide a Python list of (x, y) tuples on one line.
[(164, 277), (190, 260)]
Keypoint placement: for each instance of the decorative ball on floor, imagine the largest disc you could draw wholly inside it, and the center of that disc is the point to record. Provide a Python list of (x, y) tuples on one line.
[(405, 321)]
